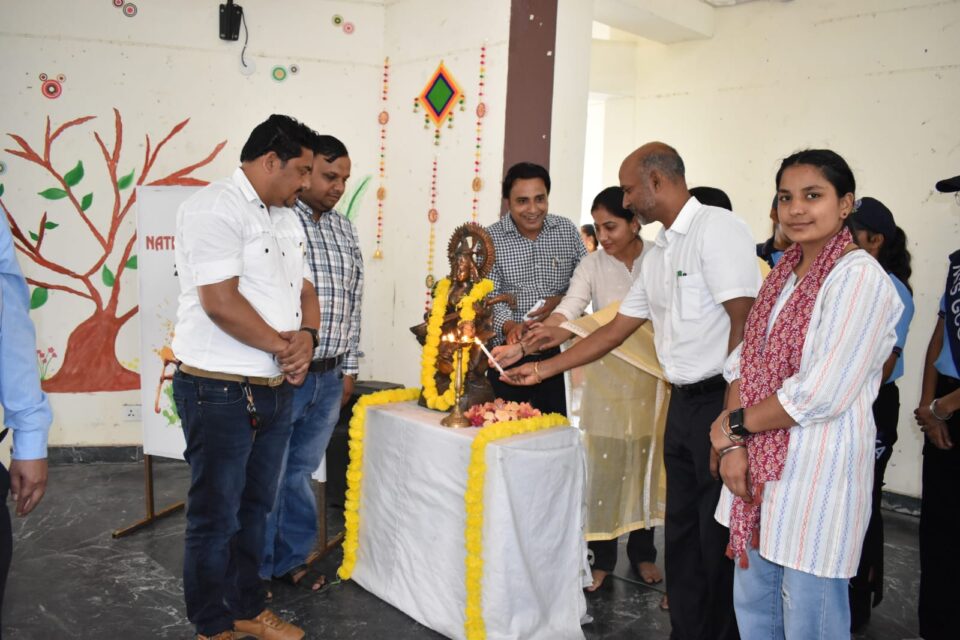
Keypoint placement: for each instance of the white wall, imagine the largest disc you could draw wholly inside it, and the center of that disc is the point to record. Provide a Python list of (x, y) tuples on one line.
[(876, 80), (167, 64)]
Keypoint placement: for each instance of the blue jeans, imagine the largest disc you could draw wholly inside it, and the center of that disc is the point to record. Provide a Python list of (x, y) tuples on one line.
[(776, 603), (292, 525), (233, 480)]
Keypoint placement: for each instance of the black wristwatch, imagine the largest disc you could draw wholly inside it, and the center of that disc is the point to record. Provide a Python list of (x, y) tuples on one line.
[(735, 420), (313, 334)]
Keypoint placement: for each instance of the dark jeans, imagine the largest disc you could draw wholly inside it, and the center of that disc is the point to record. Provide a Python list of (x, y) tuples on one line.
[(866, 591), (639, 549), (699, 574), (940, 531), (233, 481), (550, 396), (6, 536)]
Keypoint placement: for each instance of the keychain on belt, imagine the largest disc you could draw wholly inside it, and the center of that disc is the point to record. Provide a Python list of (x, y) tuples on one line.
[(251, 407)]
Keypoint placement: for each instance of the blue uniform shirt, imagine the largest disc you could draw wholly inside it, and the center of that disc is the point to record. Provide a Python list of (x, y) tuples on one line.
[(945, 364), (903, 325), (25, 407)]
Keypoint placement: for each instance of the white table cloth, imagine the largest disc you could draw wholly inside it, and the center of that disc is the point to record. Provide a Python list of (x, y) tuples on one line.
[(411, 536)]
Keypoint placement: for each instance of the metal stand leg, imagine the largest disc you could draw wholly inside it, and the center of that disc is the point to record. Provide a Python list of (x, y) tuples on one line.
[(324, 546), (152, 515)]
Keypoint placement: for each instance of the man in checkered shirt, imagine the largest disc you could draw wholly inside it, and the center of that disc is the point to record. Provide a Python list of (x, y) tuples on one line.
[(536, 254), (333, 253)]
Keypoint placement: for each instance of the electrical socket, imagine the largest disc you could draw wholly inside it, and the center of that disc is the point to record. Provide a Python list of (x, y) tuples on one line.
[(131, 413)]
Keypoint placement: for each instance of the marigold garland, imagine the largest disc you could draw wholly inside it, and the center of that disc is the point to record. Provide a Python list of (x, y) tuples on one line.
[(431, 347), (351, 512), (474, 625)]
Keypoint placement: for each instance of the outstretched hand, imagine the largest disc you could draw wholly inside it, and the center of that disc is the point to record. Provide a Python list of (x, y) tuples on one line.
[(507, 354), (524, 375)]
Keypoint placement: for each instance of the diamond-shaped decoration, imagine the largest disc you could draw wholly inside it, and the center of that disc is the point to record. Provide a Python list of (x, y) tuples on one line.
[(440, 96)]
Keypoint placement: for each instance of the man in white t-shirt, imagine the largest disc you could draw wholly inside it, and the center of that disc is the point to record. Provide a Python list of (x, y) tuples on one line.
[(698, 282), (245, 333)]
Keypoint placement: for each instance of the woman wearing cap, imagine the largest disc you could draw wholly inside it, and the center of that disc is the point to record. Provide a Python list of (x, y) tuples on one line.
[(796, 439), (876, 232), (939, 418)]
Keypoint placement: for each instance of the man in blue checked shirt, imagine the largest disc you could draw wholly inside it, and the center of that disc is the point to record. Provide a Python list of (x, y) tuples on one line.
[(333, 253), (536, 254), (25, 406)]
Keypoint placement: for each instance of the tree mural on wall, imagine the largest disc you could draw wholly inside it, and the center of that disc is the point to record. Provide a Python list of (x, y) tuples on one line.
[(90, 361)]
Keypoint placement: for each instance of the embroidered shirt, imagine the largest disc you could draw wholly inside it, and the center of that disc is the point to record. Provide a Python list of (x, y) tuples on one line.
[(225, 231), (336, 265), (814, 518), (600, 280), (704, 259), (532, 269)]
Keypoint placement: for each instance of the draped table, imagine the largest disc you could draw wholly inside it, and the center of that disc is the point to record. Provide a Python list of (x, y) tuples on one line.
[(412, 517)]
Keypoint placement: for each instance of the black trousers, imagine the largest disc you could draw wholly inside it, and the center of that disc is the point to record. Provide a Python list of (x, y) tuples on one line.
[(867, 592), (940, 531), (640, 548), (6, 537), (550, 396), (699, 574)]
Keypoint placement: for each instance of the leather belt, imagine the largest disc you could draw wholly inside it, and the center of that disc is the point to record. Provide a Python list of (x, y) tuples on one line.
[(274, 381), (713, 383), (326, 364)]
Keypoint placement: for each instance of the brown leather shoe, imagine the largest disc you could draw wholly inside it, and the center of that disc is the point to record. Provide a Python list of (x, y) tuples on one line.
[(267, 626), (223, 635)]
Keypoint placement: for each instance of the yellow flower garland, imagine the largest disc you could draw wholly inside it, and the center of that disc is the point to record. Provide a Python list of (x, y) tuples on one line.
[(474, 625), (431, 347), (351, 513)]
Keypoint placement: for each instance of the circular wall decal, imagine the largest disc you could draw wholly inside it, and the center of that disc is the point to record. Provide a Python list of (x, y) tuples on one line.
[(348, 28), (51, 89), (61, 77), (118, 3), (337, 20), (279, 73), (43, 77), (294, 69), (3, 167), (129, 9)]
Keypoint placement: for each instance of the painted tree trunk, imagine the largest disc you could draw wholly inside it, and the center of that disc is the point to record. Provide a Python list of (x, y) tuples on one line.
[(90, 359)]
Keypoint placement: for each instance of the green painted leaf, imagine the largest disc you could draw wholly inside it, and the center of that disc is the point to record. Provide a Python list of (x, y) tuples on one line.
[(86, 202), (108, 277), (53, 193), (126, 180), (34, 236), (353, 199), (75, 175), (132, 263), (1, 189), (51, 225), (38, 297)]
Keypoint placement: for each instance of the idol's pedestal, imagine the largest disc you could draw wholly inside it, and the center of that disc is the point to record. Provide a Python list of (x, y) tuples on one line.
[(412, 517)]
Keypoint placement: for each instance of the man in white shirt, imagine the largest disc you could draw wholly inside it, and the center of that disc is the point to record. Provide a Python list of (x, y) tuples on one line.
[(246, 329), (697, 285)]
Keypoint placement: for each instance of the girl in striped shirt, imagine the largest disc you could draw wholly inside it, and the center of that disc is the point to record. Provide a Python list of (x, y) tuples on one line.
[(795, 444)]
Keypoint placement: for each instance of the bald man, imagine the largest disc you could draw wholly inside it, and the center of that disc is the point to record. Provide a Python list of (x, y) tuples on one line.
[(697, 285)]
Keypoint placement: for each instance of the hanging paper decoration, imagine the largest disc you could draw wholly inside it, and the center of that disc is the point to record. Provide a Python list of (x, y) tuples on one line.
[(50, 87), (477, 183), (382, 118), (438, 98), (432, 216)]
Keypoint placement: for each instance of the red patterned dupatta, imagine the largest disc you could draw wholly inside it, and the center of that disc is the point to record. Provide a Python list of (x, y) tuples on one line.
[(765, 362)]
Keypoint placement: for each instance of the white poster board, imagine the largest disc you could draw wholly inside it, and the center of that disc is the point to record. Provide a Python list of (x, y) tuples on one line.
[(159, 289)]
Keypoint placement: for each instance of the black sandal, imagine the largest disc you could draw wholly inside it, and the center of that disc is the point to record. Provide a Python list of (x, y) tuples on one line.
[(304, 577)]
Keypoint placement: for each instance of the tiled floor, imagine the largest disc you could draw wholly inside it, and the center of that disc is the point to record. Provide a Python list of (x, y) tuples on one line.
[(70, 579)]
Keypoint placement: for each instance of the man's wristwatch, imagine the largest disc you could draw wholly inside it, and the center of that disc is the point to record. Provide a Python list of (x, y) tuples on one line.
[(313, 334), (735, 418)]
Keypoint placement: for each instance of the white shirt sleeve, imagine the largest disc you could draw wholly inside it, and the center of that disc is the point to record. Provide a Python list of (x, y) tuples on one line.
[(579, 293), (729, 259), (731, 368), (213, 243), (852, 338), (635, 304)]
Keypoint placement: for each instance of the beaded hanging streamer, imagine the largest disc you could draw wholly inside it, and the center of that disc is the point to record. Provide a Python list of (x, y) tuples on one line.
[(432, 216), (383, 118), (477, 183)]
